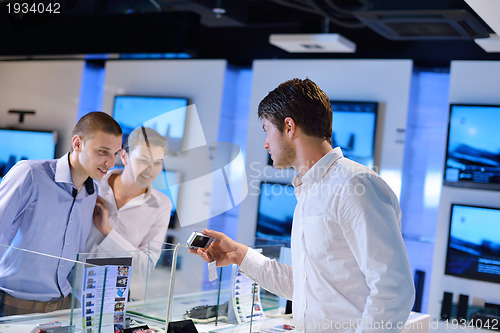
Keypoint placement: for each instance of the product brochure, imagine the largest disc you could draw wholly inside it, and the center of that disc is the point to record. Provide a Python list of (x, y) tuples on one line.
[(246, 299), (113, 276)]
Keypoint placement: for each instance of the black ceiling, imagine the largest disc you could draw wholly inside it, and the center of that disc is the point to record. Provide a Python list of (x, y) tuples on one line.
[(239, 35)]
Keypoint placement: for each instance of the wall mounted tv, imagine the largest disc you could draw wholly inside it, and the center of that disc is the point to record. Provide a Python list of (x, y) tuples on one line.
[(354, 130), (473, 147), (16, 145), (166, 115), (166, 184), (474, 243), (275, 213)]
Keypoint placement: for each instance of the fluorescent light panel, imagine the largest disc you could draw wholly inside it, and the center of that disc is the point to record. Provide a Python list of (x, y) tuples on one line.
[(490, 44), (313, 43)]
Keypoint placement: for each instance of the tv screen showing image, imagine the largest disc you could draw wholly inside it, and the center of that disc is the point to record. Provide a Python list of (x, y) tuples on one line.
[(17, 145), (166, 115), (167, 183), (354, 130), (474, 243), (473, 147), (275, 214)]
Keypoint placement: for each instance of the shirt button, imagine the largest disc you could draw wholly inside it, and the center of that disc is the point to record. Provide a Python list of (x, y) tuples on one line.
[(67, 243), (304, 276)]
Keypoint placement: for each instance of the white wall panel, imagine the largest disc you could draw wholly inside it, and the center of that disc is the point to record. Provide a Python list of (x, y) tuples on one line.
[(51, 88)]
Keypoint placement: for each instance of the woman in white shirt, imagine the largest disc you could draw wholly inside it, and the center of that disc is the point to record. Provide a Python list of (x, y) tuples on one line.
[(130, 214)]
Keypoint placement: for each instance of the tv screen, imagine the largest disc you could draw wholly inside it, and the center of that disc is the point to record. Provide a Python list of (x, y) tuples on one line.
[(275, 213), (354, 129), (474, 243), (166, 115), (473, 147), (16, 145), (167, 183)]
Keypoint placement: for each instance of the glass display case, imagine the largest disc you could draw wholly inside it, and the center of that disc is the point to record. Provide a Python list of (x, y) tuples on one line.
[(71, 314), (168, 285)]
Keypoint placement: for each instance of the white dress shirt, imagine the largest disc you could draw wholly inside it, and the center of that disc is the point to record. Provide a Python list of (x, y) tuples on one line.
[(350, 268), (139, 225)]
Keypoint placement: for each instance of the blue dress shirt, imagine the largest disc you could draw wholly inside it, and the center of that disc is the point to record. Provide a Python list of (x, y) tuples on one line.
[(41, 211)]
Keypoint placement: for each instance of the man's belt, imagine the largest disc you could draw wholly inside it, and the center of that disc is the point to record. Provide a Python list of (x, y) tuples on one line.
[(29, 306)]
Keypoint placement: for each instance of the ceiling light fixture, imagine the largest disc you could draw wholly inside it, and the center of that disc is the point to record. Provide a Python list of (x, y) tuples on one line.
[(313, 43), (490, 44)]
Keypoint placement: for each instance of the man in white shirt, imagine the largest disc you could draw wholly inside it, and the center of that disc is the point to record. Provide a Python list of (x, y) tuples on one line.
[(350, 270)]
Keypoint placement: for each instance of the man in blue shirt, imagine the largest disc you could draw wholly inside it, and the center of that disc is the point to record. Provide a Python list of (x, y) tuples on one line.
[(46, 206)]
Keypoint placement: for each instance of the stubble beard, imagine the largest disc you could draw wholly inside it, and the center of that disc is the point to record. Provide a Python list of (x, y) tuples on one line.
[(285, 157)]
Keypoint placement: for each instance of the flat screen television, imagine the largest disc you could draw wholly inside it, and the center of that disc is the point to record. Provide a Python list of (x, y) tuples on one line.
[(473, 147), (275, 213), (166, 115), (474, 243), (354, 130), (16, 145), (167, 183)]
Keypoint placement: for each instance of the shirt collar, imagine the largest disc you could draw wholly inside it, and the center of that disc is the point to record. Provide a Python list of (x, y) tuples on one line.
[(319, 169), (63, 174)]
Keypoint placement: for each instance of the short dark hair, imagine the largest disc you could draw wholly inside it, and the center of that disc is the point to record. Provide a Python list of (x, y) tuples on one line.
[(304, 102), (144, 135), (94, 122)]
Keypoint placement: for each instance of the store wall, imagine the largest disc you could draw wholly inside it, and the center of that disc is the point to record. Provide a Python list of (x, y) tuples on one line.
[(51, 88), (471, 82), (384, 81)]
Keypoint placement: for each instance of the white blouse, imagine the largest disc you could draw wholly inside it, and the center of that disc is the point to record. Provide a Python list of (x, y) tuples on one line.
[(139, 225)]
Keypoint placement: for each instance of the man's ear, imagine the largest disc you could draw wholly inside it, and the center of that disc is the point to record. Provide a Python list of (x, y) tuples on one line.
[(123, 156), (76, 143), (290, 127)]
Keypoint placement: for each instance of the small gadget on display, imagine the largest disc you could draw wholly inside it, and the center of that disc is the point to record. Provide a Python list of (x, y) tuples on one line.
[(199, 240)]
